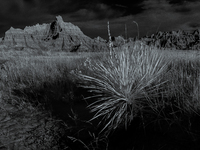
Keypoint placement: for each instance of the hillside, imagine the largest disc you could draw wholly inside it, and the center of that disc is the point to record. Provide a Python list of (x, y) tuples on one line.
[(58, 35)]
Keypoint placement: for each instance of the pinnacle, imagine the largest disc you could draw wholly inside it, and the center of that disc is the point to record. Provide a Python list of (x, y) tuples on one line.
[(59, 20)]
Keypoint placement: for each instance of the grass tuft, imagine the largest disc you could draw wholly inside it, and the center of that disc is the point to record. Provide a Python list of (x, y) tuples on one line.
[(123, 84)]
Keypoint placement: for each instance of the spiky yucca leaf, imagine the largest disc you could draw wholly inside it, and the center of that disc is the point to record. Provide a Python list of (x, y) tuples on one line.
[(124, 84)]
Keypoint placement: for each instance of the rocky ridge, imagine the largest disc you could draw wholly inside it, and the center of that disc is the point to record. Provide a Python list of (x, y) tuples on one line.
[(64, 36), (58, 35), (180, 40)]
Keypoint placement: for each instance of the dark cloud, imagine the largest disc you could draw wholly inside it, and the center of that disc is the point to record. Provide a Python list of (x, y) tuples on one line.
[(61, 6), (180, 2), (194, 25), (183, 10), (185, 7), (128, 7), (92, 16), (101, 8), (98, 12)]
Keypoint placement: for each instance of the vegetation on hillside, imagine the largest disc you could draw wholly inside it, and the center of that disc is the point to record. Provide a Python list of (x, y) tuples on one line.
[(90, 101)]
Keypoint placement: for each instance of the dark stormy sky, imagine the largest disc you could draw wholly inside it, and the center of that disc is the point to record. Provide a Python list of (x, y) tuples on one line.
[(92, 15)]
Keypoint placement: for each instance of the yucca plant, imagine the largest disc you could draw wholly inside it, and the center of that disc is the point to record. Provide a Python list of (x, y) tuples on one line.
[(123, 84)]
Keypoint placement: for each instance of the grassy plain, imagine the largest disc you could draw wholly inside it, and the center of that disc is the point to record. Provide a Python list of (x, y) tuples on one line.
[(44, 104)]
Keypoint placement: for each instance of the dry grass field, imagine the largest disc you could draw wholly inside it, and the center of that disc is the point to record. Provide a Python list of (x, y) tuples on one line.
[(144, 99)]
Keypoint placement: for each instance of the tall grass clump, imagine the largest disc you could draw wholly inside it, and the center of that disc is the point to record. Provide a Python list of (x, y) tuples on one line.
[(124, 84), (184, 80)]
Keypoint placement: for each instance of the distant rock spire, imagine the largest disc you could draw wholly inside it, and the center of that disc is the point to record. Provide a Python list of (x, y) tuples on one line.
[(59, 19)]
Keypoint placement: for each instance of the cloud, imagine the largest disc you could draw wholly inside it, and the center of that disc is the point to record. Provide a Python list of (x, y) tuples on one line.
[(168, 15), (97, 12), (127, 7), (75, 9), (61, 6), (92, 16), (180, 2), (194, 25), (172, 6), (156, 16)]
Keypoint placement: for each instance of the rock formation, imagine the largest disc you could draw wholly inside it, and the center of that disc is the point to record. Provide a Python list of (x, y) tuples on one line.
[(99, 39), (58, 35), (175, 40), (118, 41), (63, 36)]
